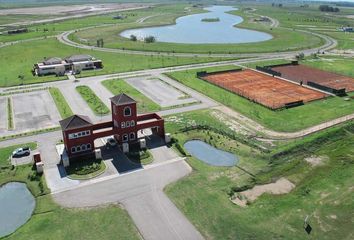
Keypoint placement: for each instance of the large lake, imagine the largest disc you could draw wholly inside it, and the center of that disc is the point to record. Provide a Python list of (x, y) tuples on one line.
[(191, 29)]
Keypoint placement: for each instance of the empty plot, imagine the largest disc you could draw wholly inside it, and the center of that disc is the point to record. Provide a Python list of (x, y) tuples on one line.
[(160, 92), (305, 74), (271, 92), (3, 115), (34, 111)]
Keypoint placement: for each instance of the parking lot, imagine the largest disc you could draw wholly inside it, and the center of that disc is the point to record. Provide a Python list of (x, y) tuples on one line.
[(3, 115), (159, 91), (34, 111)]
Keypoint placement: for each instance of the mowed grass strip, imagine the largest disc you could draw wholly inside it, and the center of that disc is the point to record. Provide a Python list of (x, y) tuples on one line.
[(287, 120), (62, 105), (10, 120), (94, 102), (145, 104)]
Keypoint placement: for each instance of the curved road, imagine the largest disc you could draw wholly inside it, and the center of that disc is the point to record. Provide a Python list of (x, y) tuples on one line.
[(329, 44)]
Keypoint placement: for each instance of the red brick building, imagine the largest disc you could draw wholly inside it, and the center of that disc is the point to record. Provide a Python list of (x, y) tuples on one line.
[(79, 133)]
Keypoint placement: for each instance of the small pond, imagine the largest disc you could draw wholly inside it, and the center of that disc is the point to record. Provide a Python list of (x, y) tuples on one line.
[(191, 29), (210, 154), (16, 207)]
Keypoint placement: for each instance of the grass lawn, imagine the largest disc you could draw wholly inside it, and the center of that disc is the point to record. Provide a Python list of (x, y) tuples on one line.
[(19, 59), (145, 104), (287, 120), (94, 102), (5, 153), (51, 221), (340, 65), (323, 192), (62, 105), (85, 169), (139, 156)]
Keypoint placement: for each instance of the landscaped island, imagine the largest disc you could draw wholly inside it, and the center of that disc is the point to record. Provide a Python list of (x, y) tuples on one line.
[(211, 20)]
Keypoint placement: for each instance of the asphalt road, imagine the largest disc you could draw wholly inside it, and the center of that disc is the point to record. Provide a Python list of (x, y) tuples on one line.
[(141, 193)]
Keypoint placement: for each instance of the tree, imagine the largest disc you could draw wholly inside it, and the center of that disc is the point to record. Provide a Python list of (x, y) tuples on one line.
[(133, 38), (149, 39)]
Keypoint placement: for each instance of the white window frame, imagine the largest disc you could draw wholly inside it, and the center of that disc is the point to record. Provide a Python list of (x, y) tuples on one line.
[(132, 123), (127, 124), (125, 136), (130, 111), (122, 124), (132, 134), (73, 149)]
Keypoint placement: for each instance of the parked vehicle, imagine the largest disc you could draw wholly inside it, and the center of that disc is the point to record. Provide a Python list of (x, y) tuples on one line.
[(20, 152), (111, 142)]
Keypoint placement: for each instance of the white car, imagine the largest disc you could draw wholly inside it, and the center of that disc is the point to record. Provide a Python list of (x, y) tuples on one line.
[(20, 152), (111, 142)]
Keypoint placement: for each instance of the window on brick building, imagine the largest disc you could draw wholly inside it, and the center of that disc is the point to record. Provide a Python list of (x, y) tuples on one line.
[(127, 111)]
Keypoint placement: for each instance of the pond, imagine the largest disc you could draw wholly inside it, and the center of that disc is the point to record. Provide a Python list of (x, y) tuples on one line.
[(192, 29), (210, 154), (16, 207)]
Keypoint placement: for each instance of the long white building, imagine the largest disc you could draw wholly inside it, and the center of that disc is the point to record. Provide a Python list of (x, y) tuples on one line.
[(73, 64)]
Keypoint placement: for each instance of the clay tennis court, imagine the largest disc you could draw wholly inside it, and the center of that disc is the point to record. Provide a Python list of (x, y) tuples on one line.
[(266, 90), (307, 74)]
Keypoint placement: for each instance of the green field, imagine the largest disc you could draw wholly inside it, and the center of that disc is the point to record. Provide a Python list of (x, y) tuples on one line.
[(62, 105), (94, 102), (310, 19), (52, 221), (5, 153), (19, 59), (323, 192), (283, 39), (144, 104), (287, 120)]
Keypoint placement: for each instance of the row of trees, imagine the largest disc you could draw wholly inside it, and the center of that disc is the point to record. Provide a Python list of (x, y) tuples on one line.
[(326, 8), (148, 39)]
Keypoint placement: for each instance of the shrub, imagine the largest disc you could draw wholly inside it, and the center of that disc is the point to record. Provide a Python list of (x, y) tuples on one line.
[(180, 149), (150, 39), (133, 38)]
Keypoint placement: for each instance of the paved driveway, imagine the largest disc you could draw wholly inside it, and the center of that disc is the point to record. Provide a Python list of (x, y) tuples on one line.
[(34, 110), (160, 92), (141, 192)]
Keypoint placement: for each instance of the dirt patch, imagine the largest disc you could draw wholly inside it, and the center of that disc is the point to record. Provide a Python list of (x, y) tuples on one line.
[(316, 160), (281, 186)]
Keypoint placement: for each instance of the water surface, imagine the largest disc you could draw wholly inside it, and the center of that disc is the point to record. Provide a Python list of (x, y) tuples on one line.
[(16, 207), (210, 154), (191, 29)]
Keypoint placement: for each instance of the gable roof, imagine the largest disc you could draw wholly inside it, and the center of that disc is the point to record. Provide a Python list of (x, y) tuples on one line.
[(78, 58), (75, 121), (52, 61), (122, 99)]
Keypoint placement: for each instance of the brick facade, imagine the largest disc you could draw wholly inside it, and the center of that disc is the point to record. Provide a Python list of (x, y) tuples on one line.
[(79, 133)]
